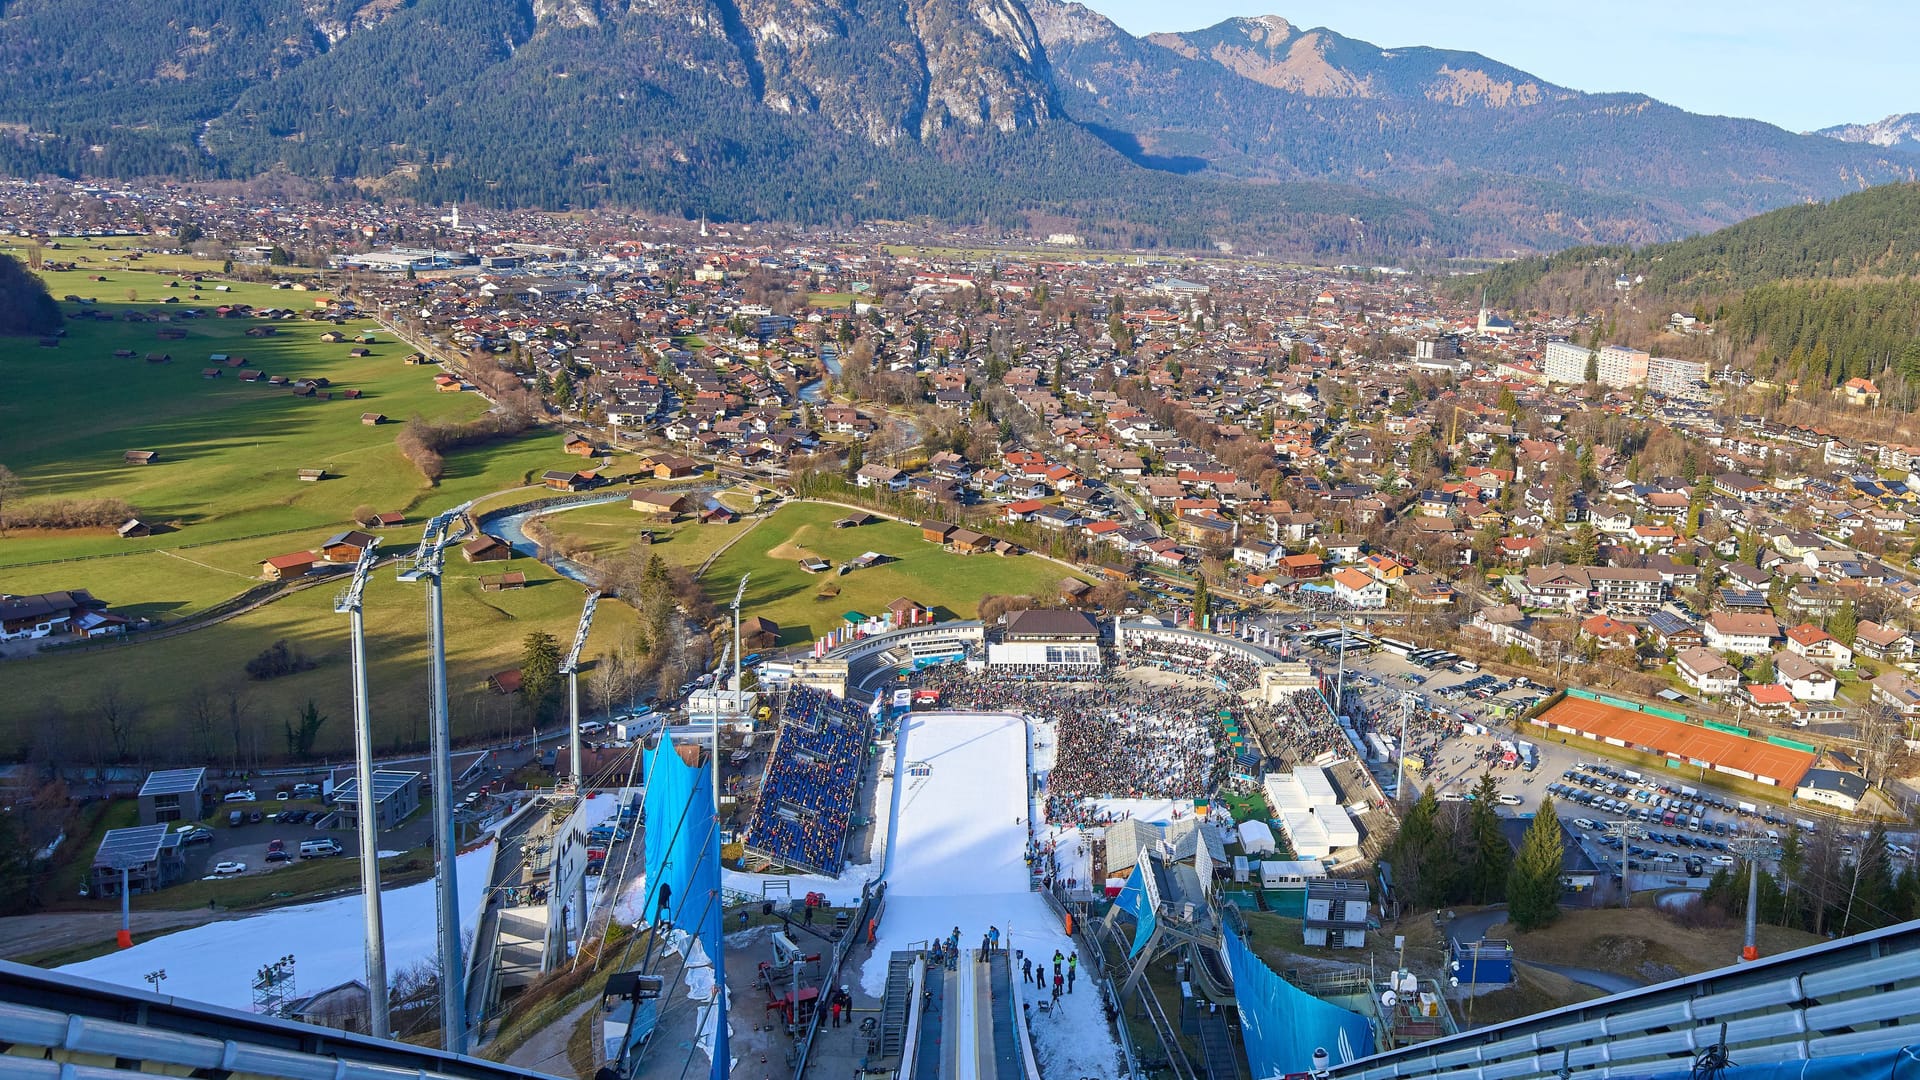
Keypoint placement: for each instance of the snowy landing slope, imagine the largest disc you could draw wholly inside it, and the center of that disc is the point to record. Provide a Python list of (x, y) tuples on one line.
[(215, 963)]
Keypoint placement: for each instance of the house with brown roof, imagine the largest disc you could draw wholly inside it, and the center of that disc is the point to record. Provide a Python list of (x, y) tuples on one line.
[(291, 565), (968, 542), (664, 505), (1746, 634), (1819, 646), (345, 547), (485, 548)]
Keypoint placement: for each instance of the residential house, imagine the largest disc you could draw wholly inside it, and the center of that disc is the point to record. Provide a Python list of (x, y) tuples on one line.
[(1360, 590), (1608, 632), (1746, 634), (1806, 680), (1877, 642), (1706, 671), (1624, 590), (1819, 646), (872, 475)]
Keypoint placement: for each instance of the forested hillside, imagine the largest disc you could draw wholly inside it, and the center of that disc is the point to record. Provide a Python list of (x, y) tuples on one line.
[(1875, 233), (1814, 295)]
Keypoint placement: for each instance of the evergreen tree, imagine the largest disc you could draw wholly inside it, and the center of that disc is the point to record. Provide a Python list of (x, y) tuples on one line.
[(856, 460), (1491, 858), (539, 665), (1201, 600), (1419, 856), (1533, 885), (1584, 550), (1845, 625)]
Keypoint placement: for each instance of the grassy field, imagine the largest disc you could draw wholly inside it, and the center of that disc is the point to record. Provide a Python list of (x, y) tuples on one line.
[(229, 450), (606, 530), (160, 678), (226, 497), (1646, 945), (951, 585)]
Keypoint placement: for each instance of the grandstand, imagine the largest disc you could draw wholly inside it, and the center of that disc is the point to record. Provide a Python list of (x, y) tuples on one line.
[(807, 794)]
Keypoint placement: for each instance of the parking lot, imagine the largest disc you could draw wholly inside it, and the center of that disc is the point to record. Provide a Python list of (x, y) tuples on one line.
[(291, 821), (1457, 736)]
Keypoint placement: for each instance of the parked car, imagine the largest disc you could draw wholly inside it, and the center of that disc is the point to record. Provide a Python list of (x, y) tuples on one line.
[(243, 795), (278, 857), (256, 817), (199, 834), (224, 868)]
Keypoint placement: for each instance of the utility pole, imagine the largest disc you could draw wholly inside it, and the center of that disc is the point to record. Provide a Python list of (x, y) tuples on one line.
[(1407, 703), (426, 565), (1340, 681), (349, 602), (1750, 847), (1626, 832), (570, 667)]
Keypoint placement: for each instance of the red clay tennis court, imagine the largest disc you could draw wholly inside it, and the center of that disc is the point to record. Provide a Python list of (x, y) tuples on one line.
[(1762, 761)]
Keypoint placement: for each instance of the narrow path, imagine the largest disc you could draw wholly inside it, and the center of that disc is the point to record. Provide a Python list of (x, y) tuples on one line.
[(546, 1052), (206, 566), (723, 548)]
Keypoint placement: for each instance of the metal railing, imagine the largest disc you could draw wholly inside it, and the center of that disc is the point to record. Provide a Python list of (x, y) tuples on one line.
[(1856, 995)]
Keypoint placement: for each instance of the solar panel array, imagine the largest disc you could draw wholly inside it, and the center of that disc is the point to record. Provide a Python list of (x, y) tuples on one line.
[(385, 783), (131, 847), (173, 781)]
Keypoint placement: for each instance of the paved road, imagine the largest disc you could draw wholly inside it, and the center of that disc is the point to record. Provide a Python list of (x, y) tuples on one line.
[(27, 935), (1599, 980)]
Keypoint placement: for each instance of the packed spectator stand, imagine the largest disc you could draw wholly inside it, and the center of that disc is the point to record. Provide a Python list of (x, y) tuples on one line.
[(811, 783)]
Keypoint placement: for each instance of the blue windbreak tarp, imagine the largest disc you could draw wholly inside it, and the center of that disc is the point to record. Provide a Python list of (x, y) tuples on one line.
[(683, 858), (1899, 1064), (1282, 1024), (1133, 901)]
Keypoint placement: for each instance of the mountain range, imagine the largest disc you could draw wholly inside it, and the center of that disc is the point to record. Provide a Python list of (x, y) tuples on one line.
[(1028, 114), (1901, 131)]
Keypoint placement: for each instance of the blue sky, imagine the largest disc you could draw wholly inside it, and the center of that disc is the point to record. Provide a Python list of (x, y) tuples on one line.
[(1802, 66)]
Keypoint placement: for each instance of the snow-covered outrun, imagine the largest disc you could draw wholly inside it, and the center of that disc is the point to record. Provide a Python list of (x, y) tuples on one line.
[(216, 963), (957, 859)]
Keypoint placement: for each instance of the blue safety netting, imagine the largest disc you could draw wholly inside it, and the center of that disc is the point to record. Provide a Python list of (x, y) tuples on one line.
[(1282, 1024), (1133, 901), (683, 856), (1899, 1064)]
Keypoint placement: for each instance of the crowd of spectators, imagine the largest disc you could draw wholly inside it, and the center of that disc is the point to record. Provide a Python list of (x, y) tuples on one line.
[(1114, 738), (1311, 728), (1193, 657), (812, 781)]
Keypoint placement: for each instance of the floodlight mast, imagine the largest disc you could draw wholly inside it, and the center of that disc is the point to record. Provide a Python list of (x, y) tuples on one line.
[(738, 596), (570, 667), (425, 565), (349, 602)]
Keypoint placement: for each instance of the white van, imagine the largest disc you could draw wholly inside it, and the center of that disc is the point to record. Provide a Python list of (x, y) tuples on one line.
[(592, 727), (319, 848)]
